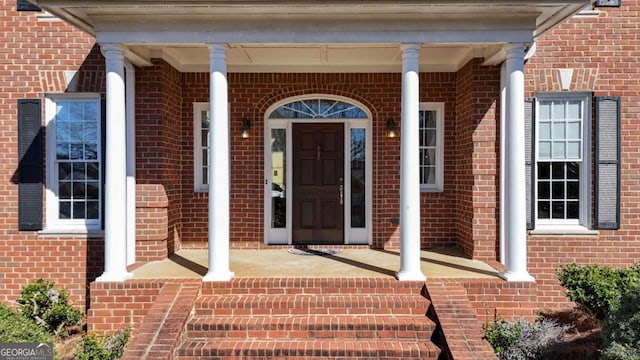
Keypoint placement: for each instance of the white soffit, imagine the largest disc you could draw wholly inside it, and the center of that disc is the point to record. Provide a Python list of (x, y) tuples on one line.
[(315, 57)]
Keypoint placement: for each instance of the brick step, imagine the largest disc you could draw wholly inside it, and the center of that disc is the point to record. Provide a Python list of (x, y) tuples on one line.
[(303, 348), (283, 286), (328, 327), (304, 304)]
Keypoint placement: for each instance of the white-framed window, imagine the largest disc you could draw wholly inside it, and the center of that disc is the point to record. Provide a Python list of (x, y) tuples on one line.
[(74, 162), (200, 147), (563, 150), (431, 132)]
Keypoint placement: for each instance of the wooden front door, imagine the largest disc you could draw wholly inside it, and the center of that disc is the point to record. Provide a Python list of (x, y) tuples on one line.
[(318, 183)]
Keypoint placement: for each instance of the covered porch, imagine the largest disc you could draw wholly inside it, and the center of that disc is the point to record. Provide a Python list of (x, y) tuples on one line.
[(204, 51)]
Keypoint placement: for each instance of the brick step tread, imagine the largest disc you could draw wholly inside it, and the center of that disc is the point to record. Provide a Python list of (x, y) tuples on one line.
[(196, 349), (348, 327), (385, 303), (282, 286)]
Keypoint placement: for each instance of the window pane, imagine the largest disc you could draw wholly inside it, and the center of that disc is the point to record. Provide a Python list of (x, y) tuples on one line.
[(64, 171), (77, 139), (93, 171), (544, 150), (574, 110), (573, 210), (544, 209), (573, 130), (93, 191), (544, 131), (544, 111), (93, 209), (557, 170), (90, 151), (563, 192), (558, 150), (78, 210), (64, 190), (573, 150), (544, 171), (78, 190), (358, 177), (557, 110), (79, 171), (64, 210), (557, 210), (558, 131), (557, 188), (428, 146), (573, 170), (544, 190), (278, 178), (573, 190)]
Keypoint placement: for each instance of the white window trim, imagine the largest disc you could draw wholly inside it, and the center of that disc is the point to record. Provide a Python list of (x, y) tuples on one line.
[(53, 224), (198, 185), (438, 107), (583, 224), (198, 107), (281, 236)]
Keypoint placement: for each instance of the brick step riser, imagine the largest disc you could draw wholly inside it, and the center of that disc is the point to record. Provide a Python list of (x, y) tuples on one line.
[(309, 311), (277, 334), (310, 291), (325, 349)]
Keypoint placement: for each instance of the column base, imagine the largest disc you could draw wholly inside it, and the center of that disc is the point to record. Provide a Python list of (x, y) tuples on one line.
[(415, 275), (218, 276), (114, 277), (517, 276)]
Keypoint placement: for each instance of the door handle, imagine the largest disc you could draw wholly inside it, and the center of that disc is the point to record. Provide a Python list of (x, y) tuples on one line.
[(341, 190)]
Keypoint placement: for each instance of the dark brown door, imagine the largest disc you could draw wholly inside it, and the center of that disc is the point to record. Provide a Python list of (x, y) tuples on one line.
[(318, 192)]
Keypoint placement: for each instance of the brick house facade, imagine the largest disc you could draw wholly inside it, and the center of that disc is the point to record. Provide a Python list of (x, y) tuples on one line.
[(44, 58)]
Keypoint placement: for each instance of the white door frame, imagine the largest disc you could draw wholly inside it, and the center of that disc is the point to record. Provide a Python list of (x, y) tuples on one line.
[(283, 236)]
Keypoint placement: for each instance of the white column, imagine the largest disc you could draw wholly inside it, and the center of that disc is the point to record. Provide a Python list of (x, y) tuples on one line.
[(218, 167), (115, 183), (514, 179), (409, 175), (131, 161)]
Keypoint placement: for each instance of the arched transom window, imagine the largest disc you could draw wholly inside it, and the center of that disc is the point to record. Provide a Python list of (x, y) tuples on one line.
[(318, 109)]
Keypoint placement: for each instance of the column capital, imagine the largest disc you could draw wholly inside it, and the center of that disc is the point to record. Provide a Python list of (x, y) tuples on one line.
[(112, 49), (410, 49), (515, 50)]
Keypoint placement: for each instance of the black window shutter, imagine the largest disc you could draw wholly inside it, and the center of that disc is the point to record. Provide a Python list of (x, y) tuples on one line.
[(24, 5), (529, 156), (30, 164), (607, 162)]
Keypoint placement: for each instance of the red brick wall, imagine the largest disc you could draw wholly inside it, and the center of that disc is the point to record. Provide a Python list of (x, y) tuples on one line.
[(32, 57), (250, 95), (115, 306), (477, 150), (603, 52)]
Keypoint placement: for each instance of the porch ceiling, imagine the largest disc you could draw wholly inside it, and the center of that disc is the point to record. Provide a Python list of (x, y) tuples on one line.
[(313, 35)]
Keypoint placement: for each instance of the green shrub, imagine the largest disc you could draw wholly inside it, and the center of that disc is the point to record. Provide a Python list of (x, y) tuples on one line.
[(103, 347), (523, 340), (49, 307), (502, 335), (16, 328), (621, 329), (598, 289)]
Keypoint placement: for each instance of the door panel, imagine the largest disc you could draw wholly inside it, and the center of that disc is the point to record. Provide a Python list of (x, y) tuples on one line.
[(318, 173)]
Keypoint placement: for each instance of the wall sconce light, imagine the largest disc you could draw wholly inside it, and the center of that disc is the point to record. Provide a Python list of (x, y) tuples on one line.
[(246, 125), (391, 128)]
